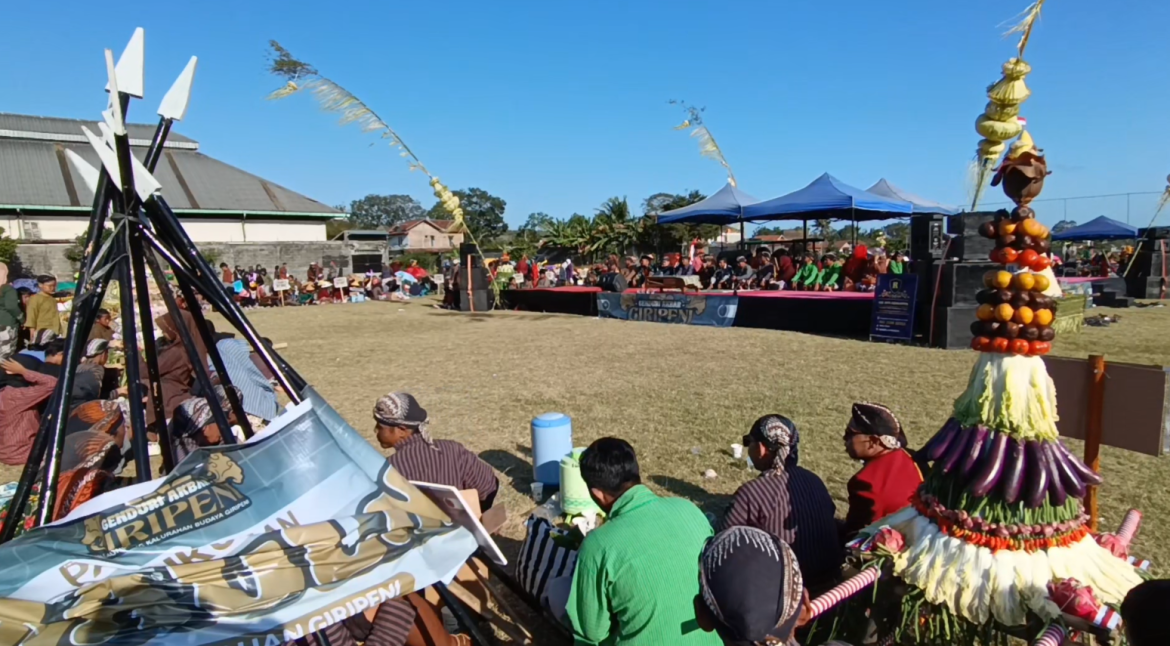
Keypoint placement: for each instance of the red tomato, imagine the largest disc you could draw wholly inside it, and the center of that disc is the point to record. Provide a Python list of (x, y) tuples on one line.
[(1019, 346), (1040, 347), (981, 343), (1040, 263), (1007, 255), (993, 256), (1027, 257), (999, 344)]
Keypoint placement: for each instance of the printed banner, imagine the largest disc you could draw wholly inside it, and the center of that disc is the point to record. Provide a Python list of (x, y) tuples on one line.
[(893, 307), (688, 309), (259, 543)]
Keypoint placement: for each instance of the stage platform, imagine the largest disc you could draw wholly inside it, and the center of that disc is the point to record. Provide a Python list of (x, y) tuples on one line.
[(831, 313)]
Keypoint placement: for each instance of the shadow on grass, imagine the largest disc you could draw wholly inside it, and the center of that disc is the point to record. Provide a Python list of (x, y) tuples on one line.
[(707, 501), (516, 468)]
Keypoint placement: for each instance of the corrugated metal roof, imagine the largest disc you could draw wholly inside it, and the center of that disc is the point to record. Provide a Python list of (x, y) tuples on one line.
[(31, 175), (23, 123)]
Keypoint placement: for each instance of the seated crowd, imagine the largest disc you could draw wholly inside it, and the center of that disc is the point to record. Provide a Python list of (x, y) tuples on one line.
[(255, 287)]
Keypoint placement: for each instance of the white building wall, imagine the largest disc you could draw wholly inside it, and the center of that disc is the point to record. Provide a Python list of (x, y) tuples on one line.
[(67, 229), (287, 231), (214, 230)]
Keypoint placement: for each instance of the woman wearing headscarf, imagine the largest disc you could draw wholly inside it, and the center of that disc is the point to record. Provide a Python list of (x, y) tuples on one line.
[(788, 501), (193, 425), (401, 424), (94, 435), (889, 476), (174, 367), (97, 352), (11, 315), (751, 591)]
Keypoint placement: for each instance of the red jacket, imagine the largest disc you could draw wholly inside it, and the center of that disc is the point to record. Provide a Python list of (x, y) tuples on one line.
[(883, 486)]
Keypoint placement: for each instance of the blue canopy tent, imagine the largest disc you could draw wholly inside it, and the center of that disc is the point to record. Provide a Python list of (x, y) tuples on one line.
[(723, 208), (921, 205), (827, 197), (1099, 228)]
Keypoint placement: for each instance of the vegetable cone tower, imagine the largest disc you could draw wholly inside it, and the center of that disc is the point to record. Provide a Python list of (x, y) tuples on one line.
[(998, 523)]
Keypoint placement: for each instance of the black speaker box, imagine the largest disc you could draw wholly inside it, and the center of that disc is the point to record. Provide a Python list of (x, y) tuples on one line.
[(482, 300), (952, 327), (927, 237), (613, 282), (960, 281), (968, 245)]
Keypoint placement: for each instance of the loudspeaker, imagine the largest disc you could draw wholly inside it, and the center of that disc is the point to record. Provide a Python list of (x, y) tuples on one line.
[(482, 299), (469, 255), (968, 245), (952, 327), (612, 282), (960, 281), (927, 238)]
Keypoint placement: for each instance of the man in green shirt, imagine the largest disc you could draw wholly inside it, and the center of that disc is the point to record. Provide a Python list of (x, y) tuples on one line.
[(41, 311), (637, 574), (806, 277)]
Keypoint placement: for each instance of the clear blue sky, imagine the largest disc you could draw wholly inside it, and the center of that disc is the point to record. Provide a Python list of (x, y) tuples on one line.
[(556, 106)]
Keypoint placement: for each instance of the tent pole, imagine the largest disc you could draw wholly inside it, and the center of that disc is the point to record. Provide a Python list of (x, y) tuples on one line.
[(742, 237)]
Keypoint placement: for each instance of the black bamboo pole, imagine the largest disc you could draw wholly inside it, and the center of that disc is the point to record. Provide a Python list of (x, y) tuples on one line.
[(149, 348), (137, 394)]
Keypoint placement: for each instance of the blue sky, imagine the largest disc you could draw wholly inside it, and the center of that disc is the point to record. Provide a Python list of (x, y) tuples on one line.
[(556, 106)]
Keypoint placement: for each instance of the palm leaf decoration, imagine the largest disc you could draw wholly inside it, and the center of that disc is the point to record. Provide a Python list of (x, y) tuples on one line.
[(300, 76), (708, 147)]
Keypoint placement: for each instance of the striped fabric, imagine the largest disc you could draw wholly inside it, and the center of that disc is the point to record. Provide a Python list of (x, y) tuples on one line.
[(259, 395), (541, 558), (794, 506), (451, 464)]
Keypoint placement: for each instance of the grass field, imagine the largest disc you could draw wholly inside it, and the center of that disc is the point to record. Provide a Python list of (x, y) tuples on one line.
[(669, 390)]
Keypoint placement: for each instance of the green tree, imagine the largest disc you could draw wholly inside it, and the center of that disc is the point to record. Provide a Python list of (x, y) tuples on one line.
[(383, 211), (824, 230), (536, 222), (483, 213), (334, 228), (768, 231), (7, 248), (1063, 225), (75, 253)]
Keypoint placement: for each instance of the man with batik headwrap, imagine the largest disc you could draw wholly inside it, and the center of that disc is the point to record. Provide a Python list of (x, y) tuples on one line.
[(788, 501), (401, 424), (193, 425), (890, 476), (751, 590)]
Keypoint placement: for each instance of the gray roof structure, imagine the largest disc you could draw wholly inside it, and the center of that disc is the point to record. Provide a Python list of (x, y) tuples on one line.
[(35, 174)]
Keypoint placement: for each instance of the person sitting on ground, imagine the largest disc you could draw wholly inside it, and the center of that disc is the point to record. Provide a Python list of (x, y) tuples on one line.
[(1143, 614), (97, 353), (788, 501), (401, 424), (785, 269), (628, 588), (259, 395), (41, 312), (37, 343), (193, 425), (744, 274), (889, 476), (724, 275), (751, 590), (829, 279), (103, 327), (175, 371), (809, 274), (20, 408)]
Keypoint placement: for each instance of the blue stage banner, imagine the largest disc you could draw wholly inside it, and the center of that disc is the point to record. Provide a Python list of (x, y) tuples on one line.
[(688, 309), (893, 307), (304, 525)]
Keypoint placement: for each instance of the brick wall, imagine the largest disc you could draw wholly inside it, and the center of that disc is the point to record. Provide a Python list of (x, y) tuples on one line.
[(34, 259)]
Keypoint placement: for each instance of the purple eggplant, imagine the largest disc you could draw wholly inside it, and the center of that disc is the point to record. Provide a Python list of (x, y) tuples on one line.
[(938, 444), (971, 455), (961, 440), (1068, 475), (991, 469), (1013, 472), (1088, 476), (1036, 485), (1056, 493)]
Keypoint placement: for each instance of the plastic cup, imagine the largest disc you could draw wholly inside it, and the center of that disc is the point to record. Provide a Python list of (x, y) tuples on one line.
[(737, 451), (537, 492)]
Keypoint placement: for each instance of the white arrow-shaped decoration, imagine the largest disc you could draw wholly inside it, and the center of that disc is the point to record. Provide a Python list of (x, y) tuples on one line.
[(145, 184), (130, 66), (88, 173), (118, 125), (174, 103), (107, 156)]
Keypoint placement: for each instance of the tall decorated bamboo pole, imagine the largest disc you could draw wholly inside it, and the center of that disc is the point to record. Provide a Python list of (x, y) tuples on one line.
[(708, 147), (1000, 122), (300, 76), (996, 537)]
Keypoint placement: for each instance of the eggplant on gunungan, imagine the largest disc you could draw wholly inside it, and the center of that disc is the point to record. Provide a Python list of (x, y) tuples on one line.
[(992, 467), (1036, 475), (1088, 476), (958, 445), (971, 455), (1056, 493), (1068, 475), (937, 446), (1015, 463)]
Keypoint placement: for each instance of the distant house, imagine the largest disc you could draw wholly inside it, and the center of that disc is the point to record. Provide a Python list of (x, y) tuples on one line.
[(728, 235), (424, 236)]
